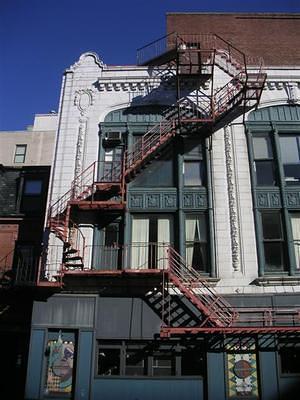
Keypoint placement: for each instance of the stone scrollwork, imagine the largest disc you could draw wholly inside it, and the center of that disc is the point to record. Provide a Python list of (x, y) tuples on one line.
[(84, 98), (231, 188)]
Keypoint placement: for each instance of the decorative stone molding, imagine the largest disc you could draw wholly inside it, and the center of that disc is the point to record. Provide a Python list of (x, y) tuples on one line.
[(83, 99), (231, 189), (292, 199), (291, 88), (292, 92), (80, 147), (154, 200), (87, 58), (277, 281), (194, 200), (268, 199), (144, 85)]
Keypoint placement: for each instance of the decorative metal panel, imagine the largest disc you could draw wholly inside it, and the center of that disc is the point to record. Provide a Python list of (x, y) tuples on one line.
[(152, 199), (292, 199), (194, 200), (268, 199)]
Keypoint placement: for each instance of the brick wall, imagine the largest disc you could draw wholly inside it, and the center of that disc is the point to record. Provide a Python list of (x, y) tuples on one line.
[(275, 37)]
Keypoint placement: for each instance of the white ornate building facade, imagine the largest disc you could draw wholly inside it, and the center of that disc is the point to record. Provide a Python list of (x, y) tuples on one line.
[(172, 239)]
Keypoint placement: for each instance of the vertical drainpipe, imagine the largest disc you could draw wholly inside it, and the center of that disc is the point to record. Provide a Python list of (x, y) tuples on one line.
[(210, 201), (180, 187), (127, 219)]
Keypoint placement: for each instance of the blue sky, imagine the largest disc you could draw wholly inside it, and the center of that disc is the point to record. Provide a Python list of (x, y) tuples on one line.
[(39, 39)]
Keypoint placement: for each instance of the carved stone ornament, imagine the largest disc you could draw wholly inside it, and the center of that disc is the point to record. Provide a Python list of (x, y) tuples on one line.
[(84, 98), (231, 188), (79, 149), (292, 92)]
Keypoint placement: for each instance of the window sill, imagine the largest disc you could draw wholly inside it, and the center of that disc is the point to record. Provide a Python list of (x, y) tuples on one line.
[(277, 281)]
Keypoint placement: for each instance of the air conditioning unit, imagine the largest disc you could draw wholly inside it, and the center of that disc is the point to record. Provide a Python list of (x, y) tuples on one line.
[(112, 137)]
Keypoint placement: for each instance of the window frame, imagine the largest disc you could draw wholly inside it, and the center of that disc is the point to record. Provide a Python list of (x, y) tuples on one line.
[(197, 215), (259, 160), (23, 154), (194, 153), (284, 177), (279, 192), (172, 351), (279, 240)]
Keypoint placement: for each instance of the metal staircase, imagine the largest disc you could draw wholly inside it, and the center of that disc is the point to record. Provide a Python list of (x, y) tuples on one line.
[(174, 310), (215, 309)]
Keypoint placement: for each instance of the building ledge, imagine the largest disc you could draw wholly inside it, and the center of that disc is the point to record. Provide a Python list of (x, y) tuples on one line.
[(277, 281)]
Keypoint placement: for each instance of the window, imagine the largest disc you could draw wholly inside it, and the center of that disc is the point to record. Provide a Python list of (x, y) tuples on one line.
[(152, 359), (196, 242), (290, 360), (150, 236), (33, 187), (290, 157), (194, 166), (112, 164), (136, 362), (109, 361), (32, 198), (192, 362), (20, 153), (273, 241), (264, 162), (163, 364)]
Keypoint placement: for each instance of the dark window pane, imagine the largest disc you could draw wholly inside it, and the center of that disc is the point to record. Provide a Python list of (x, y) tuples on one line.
[(20, 153), (192, 363), (193, 173), (33, 187), (109, 361), (135, 363), (163, 365), (289, 147), (262, 147), (199, 255), (290, 361), (292, 174), (111, 235), (271, 223), (274, 256), (265, 173)]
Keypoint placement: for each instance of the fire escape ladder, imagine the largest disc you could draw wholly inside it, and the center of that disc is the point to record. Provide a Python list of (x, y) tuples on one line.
[(217, 312)]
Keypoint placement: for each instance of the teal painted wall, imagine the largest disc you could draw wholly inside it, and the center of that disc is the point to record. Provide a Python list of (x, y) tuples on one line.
[(147, 389), (268, 374), (35, 364), (84, 366), (216, 376)]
